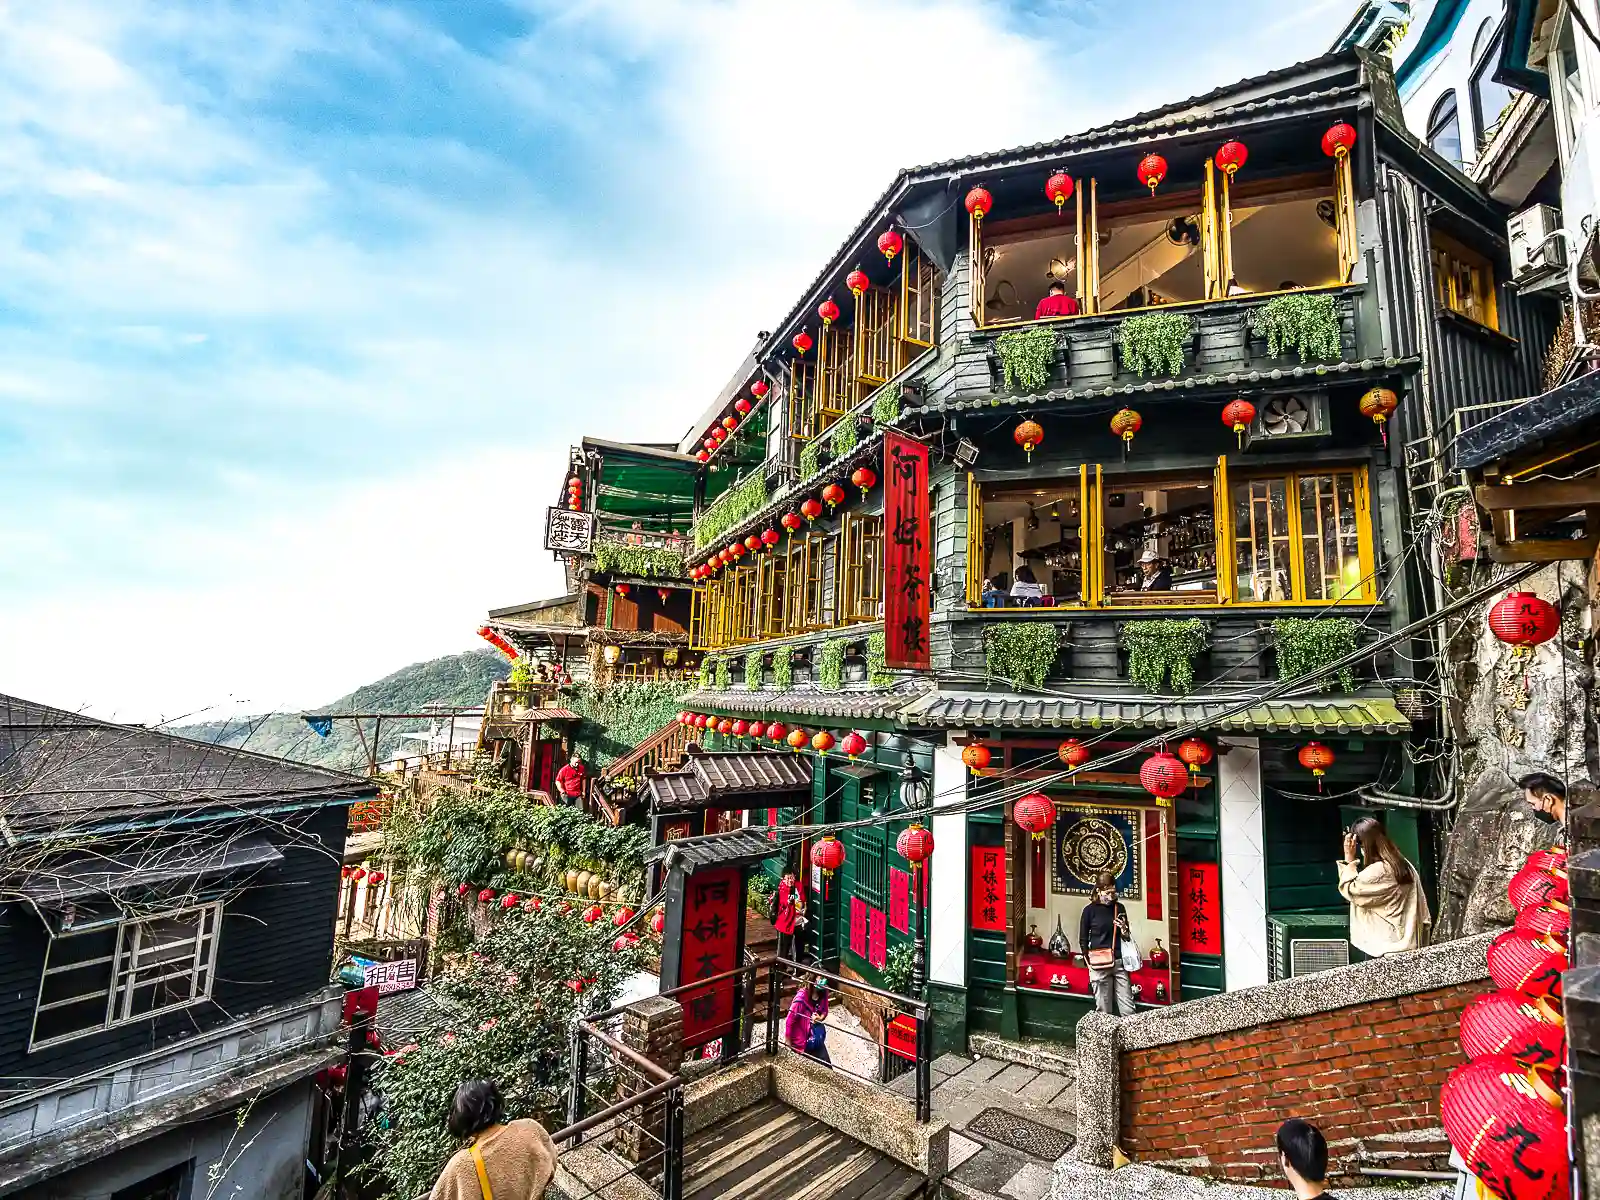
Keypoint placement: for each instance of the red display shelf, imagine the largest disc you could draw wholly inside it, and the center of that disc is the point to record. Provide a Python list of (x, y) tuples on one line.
[(1062, 977)]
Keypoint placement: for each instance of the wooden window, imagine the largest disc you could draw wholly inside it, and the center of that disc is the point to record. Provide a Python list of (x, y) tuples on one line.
[(743, 618), (1302, 539), (859, 573), (1463, 281), (697, 618), (771, 573), (803, 399), (107, 977), (869, 850), (877, 349), (975, 270), (974, 542), (1265, 544), (805, 583), (1330, 535), (836, 384), (919, 298)]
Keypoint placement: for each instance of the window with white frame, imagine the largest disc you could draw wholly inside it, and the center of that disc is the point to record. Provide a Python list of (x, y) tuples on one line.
[(1567, 89), (125, 972), (1490, 98)]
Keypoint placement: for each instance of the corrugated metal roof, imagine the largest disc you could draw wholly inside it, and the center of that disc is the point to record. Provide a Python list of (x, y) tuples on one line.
[(812, 702), (551, 714), (1343, 714)]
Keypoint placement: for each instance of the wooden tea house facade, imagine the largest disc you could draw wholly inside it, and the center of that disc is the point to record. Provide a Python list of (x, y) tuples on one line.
[(1071, 459)]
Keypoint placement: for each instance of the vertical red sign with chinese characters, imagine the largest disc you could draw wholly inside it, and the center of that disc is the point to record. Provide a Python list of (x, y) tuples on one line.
[(989, 887), (899, 900), (877, 938), (709, 946), (1199, 909), (907, 552)]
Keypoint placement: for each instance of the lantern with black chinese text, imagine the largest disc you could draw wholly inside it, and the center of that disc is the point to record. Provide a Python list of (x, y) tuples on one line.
[(1535, 884), (1530, 966), (1059, 189), (1316, 758), (1524, 620), (1164, 777), (979, 202), (1196, 754), (1508, 1125), (1126, 422), (915, 845), (864, 478), (1237, 415), (827, 856), (1152, 170), (976, 757), (1073, 752), (890, 243), (1029, 434), (1378, 403), (1532, 1032)]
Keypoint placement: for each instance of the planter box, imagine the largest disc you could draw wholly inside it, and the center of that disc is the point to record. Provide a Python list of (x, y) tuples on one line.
[(1059, 375)]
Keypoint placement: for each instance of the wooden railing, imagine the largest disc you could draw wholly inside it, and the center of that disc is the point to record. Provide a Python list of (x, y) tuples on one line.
[(661, 751)]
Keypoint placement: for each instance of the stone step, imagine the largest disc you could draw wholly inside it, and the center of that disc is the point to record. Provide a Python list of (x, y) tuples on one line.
[(1045, 1056)]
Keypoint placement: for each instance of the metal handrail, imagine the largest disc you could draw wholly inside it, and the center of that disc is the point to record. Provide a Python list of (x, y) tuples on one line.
[(654, 1069), (918, 1007), (579, 1128)]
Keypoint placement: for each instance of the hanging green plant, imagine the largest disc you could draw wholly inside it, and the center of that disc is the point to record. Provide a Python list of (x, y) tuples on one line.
[(844, 437), (830, 664), (1155, 343), (724, 674), (651, 562), (811, 458), (886, 408), (618, 716), (1025, 356), (708, 671), (877, 661), (1305, 323), (752, 669), (1307, 645), (739, 503), (1164, 648), (782, 668), (1021, 651)]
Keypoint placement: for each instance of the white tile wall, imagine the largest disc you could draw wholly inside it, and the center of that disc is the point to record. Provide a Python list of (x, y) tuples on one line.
[(1244, 877), (947, 901)]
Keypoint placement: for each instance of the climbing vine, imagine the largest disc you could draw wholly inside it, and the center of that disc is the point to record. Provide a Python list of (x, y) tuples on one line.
[(1155, 343), (708, 671), (811, 458), (1305, 323), (1025, 356), (782, 668), (830, 664), (877, 661), (618, 716), (752, 669), (739, 503), (886, 408), (1307, 645), (648, 561), (1021, 651), (724, 676), (844, 437), (1161, 649)]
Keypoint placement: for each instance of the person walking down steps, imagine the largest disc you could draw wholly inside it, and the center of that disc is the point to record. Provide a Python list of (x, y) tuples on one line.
[(501, 1160)]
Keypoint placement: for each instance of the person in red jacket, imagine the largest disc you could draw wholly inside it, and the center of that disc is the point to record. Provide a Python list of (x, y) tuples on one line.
[(569, 780), (1056, 303), (787, 914)]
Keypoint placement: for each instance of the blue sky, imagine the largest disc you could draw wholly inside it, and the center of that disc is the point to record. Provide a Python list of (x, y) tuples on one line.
[(302, 303)]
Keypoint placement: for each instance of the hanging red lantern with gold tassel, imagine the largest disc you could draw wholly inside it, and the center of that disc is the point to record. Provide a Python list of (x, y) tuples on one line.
[(1532, 1032), (864, 478), (1035, 813), (810, 509), (979, 202), (857, 282), (1524, 620), (1196, 754), (827, 856), (976, 757), (1378, 403), (1125, 423), (1230, 157), (1529, 966), (1028, 435), (1316, 758), (1237, 415), (829, 312), (1509, 1126), (833, 495), (1152, 170), (759, 389), (1164, 777), (1073, 752), (890, 243), (1059, 189), (1339, 140), (802, 341)]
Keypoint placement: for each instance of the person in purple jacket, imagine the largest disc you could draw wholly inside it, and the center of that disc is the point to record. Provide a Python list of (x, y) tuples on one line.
[(803, 1029)]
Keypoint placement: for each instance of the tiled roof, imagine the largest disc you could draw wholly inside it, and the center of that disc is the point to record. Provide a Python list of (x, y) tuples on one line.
[(725, 849), (711, 778), (812, 702), (1340, 715)]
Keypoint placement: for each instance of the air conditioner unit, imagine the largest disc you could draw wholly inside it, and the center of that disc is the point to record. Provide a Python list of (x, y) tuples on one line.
[(1290, 416), (1304, 943), (1531, 255)]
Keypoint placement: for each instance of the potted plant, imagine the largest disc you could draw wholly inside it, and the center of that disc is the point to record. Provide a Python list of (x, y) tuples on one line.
[(1157, 343), (1306, 323), (1022, 359)]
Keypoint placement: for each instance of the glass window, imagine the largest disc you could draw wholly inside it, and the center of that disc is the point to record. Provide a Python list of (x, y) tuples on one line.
[(1330, 536), (1261, 533), (1490, 99), (1030, 549), (1569, 92), (1463, 281), (1444, 129)]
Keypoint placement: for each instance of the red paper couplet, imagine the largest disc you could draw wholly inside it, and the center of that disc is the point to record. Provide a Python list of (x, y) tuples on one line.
[(858, 927), (907, 544), (989, 888), (1154, 884), (877, 938), (899, 900), (1199, 909)]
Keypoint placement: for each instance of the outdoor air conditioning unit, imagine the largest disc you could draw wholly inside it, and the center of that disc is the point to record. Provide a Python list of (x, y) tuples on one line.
[(1527, 232), (1304, 943), (1290, 416)]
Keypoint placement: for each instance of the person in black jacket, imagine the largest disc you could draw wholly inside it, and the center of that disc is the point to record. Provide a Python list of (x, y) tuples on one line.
[(1101, 930)]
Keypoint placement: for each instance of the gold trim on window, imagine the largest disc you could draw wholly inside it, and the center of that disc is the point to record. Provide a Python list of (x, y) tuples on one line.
[(859, 571), (802, 399), (1463, 281)]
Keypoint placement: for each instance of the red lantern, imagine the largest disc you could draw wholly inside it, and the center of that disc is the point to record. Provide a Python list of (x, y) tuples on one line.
[(833, 494), (740, 728), (1237, 415), (864, 478), (531, 904), (730, 423), (915, 845), (769, 538), (736, 551), (1338, 141), (758, 729), (891, 243), (1034, 813), (790, 521), (376, 877), (1152, 170), (853, 744), (345, 873), (663, 594), (827, 856), (857, 281), (624, 915), (742, 406), (509, 900), (684, 718), (823, 742), (723, 556), (803, 342), (1551, 920), (1028, 435), (703, 455), (752, 543), (358, 874), (759, 389), (1524, 620), (829, 312), (719, 435), (1532, 1032), (1163, 776), (777, 731), (592, 914), (712, 564), (976, 757), (1073, 752), (701, 721), (658, 923), (1316, 758), (485, 896), (979, 202), (1125, 423), (622, 589), (724, 726), (1508, 1125), (1195, 753), (810, 510), (1529, 966), (1231, 157), (463, 889), (1533, 885), (1378, 403), (1059, 188), (798, 740)]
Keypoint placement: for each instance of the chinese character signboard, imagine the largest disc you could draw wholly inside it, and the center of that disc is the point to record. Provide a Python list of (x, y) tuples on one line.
[(989, 888), (388, 977), (569, 532), (899, 900), (704, 938), (908, 552), (858, 927), (877, 938), (1199, 909)]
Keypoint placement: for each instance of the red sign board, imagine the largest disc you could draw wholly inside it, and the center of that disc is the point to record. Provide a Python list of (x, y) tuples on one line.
[(710, 946), (858, 927), (1154, 884), (899, 900), (900, 1036), (1199, 909), (989, 888), (877, 938), (908, 552)]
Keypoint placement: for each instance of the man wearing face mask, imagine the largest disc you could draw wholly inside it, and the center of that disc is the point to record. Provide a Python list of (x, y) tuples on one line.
[(1547, 796), (1101, 930)]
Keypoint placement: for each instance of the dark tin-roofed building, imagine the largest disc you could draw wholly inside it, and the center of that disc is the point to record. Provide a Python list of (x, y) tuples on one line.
[(167, 909)]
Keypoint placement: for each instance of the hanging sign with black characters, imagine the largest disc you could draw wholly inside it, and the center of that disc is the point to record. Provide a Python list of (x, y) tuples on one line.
[(908, 553)]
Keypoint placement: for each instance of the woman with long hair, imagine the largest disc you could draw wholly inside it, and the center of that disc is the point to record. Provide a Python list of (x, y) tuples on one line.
[(1388, 912), (505, 1160), (1102, 929)]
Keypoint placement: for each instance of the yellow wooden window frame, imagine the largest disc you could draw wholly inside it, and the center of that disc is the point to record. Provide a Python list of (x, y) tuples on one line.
[(975, 280), (974, 542), (697, 618), (836, 374), (771, 572), (858, 573), (1295, 536), (919, 298), (743, 621), (877, 325), (1090, 531), (802, 399), (1216, 235), (1344, 201), (1463, 279)]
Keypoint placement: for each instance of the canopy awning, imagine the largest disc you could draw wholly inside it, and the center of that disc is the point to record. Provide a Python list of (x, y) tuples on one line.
[(742, 847), (1350, 715), (652, 484)]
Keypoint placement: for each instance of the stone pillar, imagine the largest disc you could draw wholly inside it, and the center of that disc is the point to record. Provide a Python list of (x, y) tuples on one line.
[(653, 1028), (1243, 874)]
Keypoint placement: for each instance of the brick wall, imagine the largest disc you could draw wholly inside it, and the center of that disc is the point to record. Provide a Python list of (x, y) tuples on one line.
[(1368, 1076)]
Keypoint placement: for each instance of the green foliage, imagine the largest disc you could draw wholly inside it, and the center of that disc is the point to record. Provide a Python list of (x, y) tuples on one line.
[(618, 716), (1155, 342), (738, 504), (723, 678), (648, 561), (782, 668), (511, 1012), (830, 664), (1307, 645), (877, 668), (844, 437), (897, 968), (1161, 648), (1021, 651), (521, 672), (886, 408), (811, 458), (1307, 323), (758, 891), (1026, 355), (752, 669)]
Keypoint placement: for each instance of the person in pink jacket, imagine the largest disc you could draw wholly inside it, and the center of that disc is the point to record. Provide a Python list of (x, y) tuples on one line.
[(803, 1029)]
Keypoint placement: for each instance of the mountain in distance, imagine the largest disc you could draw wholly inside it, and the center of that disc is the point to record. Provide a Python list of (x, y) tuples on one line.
[(461, 680)]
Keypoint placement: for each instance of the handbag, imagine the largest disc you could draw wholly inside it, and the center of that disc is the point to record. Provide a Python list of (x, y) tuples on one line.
[(1130, 955), (1102, 958)]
